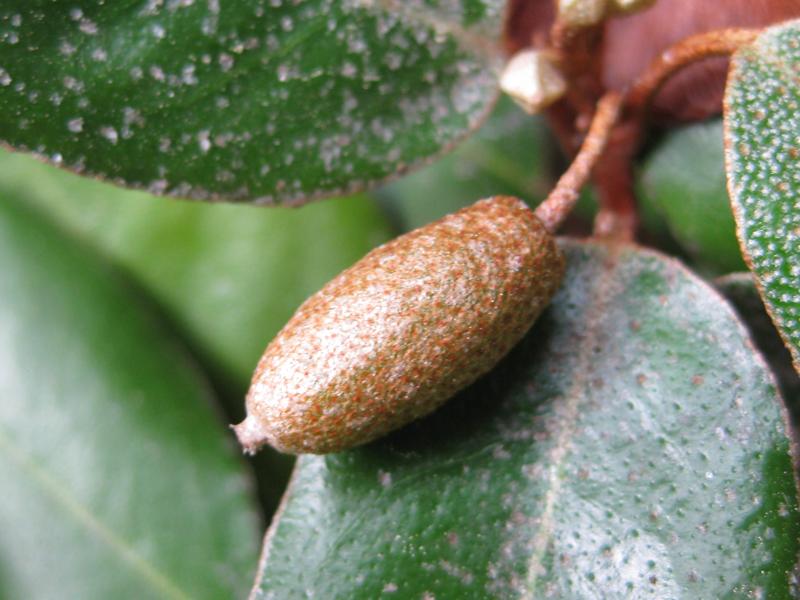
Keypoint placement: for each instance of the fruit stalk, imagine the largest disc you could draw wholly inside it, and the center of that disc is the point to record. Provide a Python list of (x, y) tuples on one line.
[(721, 42), (562, 199)]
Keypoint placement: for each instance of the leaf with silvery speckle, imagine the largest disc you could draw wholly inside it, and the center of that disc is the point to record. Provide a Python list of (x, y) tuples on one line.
[(268, 101), (632, 445), (762, 138), (510, 155)]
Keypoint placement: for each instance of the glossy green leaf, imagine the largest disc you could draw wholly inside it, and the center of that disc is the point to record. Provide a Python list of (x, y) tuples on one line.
[(682, 181), (266, 101), (631, 446), (510, 154), (228, 276), (762, 121), (118, 479)]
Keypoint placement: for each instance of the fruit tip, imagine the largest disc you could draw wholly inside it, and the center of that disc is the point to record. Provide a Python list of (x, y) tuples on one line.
[(250, 435)]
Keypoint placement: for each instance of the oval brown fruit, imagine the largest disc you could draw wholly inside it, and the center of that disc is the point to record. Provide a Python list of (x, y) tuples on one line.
[(394, 336)]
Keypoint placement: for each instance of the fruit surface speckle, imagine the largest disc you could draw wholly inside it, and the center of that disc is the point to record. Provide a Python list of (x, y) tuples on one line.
[(394, 336)]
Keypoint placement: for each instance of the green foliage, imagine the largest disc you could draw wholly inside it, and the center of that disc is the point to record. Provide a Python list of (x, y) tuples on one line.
[(740, 289), (116, 472), (762, 121), (632, 444), (683, 182), (242, 101), (230, 276), (511, 154)]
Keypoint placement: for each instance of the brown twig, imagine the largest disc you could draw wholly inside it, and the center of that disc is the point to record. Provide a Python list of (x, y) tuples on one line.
[(562, 199), (722, 42), (613, 181), (612, 172), (578, 51), (612, 176)]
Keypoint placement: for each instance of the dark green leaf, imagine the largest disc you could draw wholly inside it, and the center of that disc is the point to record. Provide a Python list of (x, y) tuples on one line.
[(117, 478), (683, 182), (265, 101), (631, 446), (762, 122), (740, 289), (229, 276), (509, 154)]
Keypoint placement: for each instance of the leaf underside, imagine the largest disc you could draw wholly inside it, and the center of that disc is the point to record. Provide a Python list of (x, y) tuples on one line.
[(762, 125), (272, 102), (632, 445)]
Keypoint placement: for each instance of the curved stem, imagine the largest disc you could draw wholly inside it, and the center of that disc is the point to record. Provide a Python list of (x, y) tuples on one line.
[(613, 180), (722, 42), (617, 216), (562, 199)]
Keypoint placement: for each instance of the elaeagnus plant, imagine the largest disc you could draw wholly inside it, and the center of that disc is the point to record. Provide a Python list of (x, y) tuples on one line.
[(534, 376)]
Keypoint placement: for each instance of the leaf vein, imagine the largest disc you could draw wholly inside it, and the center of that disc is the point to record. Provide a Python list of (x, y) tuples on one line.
[(94, 526)]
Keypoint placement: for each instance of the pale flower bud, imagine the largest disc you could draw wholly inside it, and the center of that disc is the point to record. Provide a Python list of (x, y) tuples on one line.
[(532, 80)]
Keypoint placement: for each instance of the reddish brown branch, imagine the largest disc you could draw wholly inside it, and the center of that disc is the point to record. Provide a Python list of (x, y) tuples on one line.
[(613, 181), (613, 177), (612, 171), (578, 51), (562, 199), (722, 42)]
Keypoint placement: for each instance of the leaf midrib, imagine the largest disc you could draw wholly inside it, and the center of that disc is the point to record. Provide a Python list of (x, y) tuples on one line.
[(96, 528), (599, 292)]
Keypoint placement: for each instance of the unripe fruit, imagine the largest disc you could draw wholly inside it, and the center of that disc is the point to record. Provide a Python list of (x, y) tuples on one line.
[(394, 336)]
